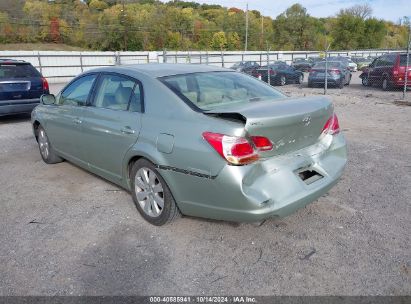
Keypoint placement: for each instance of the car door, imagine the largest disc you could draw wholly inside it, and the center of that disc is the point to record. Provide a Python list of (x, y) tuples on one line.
[(376, 70), (112, 123), (292, 73), (63, 120)]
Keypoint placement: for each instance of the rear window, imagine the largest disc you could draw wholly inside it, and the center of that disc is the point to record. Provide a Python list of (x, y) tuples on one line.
[(207, 91), (18, 71), (403, 60), (331, 65)]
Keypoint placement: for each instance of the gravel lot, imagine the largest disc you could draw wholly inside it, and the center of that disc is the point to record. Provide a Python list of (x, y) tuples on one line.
[(64, 231)]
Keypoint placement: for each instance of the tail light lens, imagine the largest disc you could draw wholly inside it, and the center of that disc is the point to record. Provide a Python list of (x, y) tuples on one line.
[(272, 72), (335, 72), (45, 84), (237, 150), (262, 143), (332, 126)]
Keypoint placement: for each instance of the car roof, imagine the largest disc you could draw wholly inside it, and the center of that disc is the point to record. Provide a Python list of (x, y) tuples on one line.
[(9, 60), (167, 69)]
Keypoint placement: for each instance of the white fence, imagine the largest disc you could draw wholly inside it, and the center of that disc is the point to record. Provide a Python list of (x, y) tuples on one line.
[(61, 66)]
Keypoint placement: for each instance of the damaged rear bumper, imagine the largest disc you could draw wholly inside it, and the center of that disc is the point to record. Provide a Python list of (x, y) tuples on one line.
[(274, 187)]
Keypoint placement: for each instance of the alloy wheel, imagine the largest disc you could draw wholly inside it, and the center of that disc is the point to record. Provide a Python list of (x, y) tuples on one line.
[(282, 80), (149, 192), (43, 144)]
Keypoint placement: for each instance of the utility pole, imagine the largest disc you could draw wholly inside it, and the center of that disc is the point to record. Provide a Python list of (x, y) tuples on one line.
[(262, 32), (246, 28), (326, 69), (408, 62), (123, 21)]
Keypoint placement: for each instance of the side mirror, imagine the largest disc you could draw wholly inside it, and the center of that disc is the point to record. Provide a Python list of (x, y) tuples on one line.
[(48, 99)]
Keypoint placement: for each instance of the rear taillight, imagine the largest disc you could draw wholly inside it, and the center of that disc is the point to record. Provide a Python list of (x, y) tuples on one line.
[(272, 72), (335, 71), (331, 126), (237, 150), (262, 143), (45, 84)]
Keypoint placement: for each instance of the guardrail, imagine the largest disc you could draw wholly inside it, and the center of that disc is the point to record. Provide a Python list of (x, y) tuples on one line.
[(61, 66)]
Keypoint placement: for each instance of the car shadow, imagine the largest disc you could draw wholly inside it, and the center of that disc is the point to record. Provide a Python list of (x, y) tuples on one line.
[(16, 118)]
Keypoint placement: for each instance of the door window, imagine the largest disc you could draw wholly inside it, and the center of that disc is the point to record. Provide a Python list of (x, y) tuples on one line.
[(115, 93), (78, 91)]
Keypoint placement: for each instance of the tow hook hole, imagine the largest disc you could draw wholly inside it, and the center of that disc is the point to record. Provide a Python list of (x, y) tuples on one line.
[(309, 176)]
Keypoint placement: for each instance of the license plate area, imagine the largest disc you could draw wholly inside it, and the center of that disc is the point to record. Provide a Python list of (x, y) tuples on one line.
[(309, 176), (14, 86)]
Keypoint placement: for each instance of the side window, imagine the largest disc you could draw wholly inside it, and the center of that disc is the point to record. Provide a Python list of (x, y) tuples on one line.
[(136, 101), (392, 59), (114, 92), (77, 92), (378, 62)]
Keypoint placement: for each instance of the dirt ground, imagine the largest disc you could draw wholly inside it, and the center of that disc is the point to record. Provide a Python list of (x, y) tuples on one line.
[(64, 231)]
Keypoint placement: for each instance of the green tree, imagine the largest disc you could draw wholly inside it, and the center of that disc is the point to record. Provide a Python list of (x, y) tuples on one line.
[(219, 41), (294, 29), (347, 32)]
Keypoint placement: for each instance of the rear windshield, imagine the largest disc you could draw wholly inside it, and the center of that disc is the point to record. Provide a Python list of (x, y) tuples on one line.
[(210, 90), (18, 71), (403, 60), (331, 65)]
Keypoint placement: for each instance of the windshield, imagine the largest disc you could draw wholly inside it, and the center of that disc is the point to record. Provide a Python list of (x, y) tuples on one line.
[(210, 90), (331, 65), (238, 64), (17, 71)]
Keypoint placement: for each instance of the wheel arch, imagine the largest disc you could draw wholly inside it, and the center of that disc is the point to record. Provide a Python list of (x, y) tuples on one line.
[(36, 124)]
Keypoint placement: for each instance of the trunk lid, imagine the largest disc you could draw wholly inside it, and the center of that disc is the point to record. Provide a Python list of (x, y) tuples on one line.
[(291, 124)]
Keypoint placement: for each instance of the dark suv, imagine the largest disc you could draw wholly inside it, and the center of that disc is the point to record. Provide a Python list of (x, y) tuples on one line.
[(21, 86), (387, 71)]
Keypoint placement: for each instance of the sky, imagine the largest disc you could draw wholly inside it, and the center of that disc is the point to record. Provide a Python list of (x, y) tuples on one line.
[(382, 9)]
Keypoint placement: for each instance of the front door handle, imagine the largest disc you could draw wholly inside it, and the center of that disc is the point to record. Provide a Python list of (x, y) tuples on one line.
[(77, 121), (127, 130)]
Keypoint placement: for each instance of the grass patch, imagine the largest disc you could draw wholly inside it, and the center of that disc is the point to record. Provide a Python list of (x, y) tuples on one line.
[(39, 47)]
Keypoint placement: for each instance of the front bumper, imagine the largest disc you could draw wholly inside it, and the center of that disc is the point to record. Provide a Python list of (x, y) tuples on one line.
[(268, 188), (10, 107)]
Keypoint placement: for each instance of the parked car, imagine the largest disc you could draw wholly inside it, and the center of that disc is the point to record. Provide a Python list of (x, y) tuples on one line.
[(387, 71), (200, 140), (351, 64), (21, 86), (280, 74), (362, 64), (245, 66), (302, 64), (338, 74)]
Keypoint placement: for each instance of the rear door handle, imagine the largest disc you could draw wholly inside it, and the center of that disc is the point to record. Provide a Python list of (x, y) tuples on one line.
[(77, 121), (127, 130)]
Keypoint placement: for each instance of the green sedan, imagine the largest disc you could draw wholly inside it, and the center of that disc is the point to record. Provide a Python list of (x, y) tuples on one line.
[(194, 140)]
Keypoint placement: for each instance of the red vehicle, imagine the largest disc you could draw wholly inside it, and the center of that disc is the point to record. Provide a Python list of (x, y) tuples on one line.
[(387, 71)]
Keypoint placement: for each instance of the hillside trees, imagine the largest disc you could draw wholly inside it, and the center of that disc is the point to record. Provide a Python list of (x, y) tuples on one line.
[(180, 25)]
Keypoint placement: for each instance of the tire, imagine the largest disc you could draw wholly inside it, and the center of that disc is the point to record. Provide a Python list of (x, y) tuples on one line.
[(310, 84), (300, 79), (47, 152), (282, 80), (149, 192), (385, 84), (365, 82)]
